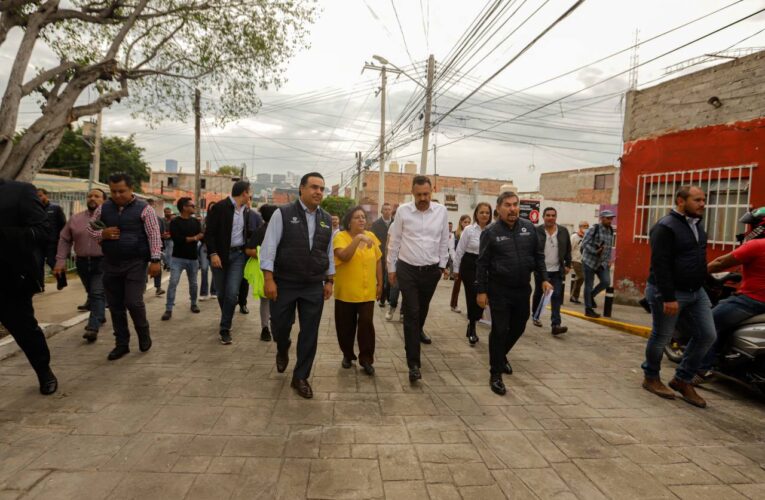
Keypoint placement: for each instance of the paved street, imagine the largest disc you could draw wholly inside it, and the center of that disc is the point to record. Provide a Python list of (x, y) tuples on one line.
[(195, 419)]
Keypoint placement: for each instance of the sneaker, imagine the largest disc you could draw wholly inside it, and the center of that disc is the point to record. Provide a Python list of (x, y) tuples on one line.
[(456, 310), (159, 292), (381, 304), (225, 337), (537, 322), (195, 308), (202, 298), (389, 314), (265, 334)]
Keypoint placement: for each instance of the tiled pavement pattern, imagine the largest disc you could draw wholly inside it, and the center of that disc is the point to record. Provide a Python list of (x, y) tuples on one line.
[(194, 419)]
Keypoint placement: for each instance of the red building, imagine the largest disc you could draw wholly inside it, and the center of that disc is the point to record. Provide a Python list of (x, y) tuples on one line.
[(705, 128)]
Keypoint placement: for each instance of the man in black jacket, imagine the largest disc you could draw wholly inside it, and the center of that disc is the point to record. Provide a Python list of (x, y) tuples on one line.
[(226, 235), (23, 238), (380, 229), (509, 252), (675, 286), (556, 243), (56, 222)]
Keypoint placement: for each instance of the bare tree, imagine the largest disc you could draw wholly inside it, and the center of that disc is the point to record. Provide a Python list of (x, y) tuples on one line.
[(154, 51)]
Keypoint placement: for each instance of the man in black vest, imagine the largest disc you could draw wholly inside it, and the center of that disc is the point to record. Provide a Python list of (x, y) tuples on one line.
[(297, 261), (23, 238), (130, 239), (675, 286), (556, 243)]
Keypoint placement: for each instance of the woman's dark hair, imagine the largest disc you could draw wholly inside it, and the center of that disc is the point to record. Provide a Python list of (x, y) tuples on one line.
[(478, 207), (346, 222), (267, 211)]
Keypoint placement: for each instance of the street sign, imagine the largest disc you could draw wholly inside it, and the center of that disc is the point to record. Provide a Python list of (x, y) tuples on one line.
[(530, 210)]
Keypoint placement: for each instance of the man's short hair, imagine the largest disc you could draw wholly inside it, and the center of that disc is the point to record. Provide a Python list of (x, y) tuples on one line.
[(182, 202), (505, 195), (420, 180), (239, 187), (43, 191), (118, 177), (304, 179), (684, 192), (103, 193), (386, 203), (547, 209), (266, 211)]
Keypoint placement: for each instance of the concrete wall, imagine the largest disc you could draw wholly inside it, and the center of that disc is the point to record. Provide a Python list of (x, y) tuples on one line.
[(577, 185), (681, 104)]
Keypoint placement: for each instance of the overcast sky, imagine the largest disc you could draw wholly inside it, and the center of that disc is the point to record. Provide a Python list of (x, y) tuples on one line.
[(339, 114)]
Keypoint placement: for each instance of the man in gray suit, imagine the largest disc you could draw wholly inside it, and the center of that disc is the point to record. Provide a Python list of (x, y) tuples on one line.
[(557, 248)]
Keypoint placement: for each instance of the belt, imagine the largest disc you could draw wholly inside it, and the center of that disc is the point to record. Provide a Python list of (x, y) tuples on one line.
[(239, 248), (90, 258), (429, 267)]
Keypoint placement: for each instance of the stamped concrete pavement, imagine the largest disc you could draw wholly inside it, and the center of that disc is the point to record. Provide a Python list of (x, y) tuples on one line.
[(194, 419)]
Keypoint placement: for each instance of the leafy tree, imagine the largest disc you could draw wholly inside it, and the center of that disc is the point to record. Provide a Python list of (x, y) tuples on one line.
[(337, 205), (230, 170), (154, 51)]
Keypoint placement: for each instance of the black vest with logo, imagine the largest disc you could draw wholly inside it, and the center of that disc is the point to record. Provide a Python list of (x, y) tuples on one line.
[(690, 256), (295, 260), (133, 242)]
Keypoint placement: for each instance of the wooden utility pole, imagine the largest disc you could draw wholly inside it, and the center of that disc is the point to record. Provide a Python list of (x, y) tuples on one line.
[(381, 183), (97, 149), (197, 149), (358, 177), (426, 125)]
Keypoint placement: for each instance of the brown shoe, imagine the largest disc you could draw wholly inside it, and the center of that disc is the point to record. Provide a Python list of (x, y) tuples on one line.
[(687, 392), (302, 387), (282, 360), (559, 329), (655, 386)]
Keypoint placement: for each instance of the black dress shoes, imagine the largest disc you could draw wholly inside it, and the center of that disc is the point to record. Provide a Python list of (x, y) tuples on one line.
[(167, 315), (195, 309), (536, 322), (282, 359), (84, 307), (118, 352), (347, 363), (472, 337), (425, 339), (368, 368), (265, 334), (225, 337), (90, 335), (144, 342), (414, 374), (302, 387), (48, 383), (244, 310), (590, 313), (497, 386), (508, 368)]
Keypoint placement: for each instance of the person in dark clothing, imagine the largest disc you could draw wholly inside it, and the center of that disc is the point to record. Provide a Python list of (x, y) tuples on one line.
[(162, 230), (130, 239), (509, 252), (380, 229), (24, 236), (297, 264), (56, 223), (676, 286), (255, 241), (226, 234), (254, 221), (206, 285), (186, 233), (556, 243)]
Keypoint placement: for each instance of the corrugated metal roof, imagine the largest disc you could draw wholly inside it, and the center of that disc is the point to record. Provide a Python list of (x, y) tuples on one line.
[(61, 184)]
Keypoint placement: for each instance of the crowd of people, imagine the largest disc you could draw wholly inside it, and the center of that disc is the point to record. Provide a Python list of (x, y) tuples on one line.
[(295, 257)]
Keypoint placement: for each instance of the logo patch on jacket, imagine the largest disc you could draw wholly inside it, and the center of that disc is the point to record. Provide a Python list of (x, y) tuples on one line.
[(295, 220)]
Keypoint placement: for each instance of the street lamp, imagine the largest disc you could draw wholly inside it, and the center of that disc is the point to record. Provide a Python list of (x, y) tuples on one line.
[(384, 61)]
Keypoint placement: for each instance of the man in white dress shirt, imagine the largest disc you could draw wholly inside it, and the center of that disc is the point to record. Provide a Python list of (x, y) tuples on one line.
[(417, 256)]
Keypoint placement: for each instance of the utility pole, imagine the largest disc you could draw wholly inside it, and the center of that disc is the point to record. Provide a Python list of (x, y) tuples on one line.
[(97, 149), (358, 177), (197, 149), (426, 125)]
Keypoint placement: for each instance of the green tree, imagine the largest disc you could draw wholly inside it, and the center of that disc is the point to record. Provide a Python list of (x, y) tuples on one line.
[(230, 170), (337, 205), (156, 52)]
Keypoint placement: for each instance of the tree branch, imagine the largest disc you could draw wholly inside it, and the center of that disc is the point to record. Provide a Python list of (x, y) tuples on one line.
[(161, 44), (43, 77), (126, 27), (102, 102)]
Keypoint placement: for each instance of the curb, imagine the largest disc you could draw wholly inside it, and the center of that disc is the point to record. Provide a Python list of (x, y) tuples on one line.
[(632, 329)]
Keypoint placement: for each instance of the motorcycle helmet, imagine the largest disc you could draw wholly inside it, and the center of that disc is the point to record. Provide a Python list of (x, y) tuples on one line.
[(756, 221)]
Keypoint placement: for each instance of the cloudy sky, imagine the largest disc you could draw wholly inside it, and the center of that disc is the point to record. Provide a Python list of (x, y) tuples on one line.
[(528, 120)]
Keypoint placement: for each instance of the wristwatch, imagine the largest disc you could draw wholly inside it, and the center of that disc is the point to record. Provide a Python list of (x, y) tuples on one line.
[(154, 261)]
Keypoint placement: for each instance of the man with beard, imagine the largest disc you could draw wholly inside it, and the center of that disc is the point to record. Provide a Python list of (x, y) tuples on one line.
[(88, 261)]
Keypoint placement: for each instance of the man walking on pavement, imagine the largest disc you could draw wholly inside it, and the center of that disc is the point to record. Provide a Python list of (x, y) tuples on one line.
[(254, 221), (676, 286), (298, 266), (509, 252), (23, 239), (88, 261), (417, 255), (167, 239), (186, 233), (380, 229), (56, 222), (597, 245), (130, 238), (557, 249), (163, 229), (225, 235), (576, 261)]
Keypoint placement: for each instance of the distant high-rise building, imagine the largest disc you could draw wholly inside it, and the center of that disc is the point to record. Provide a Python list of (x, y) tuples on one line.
[(263, 178), (171, 166), (279, 178)]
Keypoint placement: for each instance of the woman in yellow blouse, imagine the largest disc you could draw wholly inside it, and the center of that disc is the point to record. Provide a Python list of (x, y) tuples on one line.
[(358, 283)]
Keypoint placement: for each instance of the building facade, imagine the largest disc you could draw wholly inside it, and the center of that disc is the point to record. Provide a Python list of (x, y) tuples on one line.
[(594, 185), (706, 128), (214, 187)]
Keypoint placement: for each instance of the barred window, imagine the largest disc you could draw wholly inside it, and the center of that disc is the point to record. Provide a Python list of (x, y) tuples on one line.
[(728, 196)]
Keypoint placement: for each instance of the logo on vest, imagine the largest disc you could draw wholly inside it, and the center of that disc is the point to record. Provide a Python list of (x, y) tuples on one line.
[(295, 220), (523, 229), (323, 224)]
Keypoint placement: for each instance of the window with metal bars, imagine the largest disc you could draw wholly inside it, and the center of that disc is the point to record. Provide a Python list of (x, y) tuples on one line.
[(728, 196)]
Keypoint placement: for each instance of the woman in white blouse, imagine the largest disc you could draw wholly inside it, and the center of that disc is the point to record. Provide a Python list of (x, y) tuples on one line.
[(464, 264)]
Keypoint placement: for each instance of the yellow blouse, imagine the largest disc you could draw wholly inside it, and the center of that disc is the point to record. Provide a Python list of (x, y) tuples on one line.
[(356, 279)]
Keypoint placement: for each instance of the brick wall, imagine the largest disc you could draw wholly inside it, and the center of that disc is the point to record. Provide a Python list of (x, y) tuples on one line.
[(576, 185), (681, 104)]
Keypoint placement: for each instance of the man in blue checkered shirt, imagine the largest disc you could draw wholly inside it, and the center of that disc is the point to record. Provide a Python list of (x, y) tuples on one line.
[(597, 245)]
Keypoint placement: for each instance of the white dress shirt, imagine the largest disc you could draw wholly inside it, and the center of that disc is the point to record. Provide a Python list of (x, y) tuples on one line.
[(237, 225), (419, 238), (552, 258), (469, 243)]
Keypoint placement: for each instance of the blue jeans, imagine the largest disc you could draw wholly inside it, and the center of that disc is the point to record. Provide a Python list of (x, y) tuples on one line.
[(227, 282), (92, 277), (557, 280), (204, 266), (604, 281), (167, 253), (695, 306), (727, 315), (177, 266)]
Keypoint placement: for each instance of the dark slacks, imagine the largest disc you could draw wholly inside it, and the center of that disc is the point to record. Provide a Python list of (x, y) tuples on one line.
[(308, 299), (456, 291), (386, 283), (18, 316), (125, 284), (509, 314), (50, 259), (417, 284), (467, 274), (558, 281), (354, 319)]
